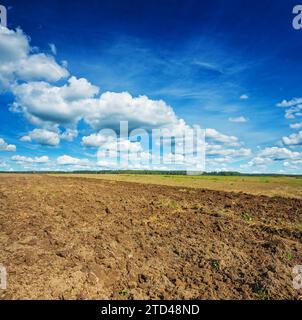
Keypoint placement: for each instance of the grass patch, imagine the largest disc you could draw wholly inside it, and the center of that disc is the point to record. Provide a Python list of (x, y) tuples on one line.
[(246, 217), (263, 295), (260, 292), (216, 265), (124, 292), (288, 256), (271, 186), (174, 204), (299, 226)]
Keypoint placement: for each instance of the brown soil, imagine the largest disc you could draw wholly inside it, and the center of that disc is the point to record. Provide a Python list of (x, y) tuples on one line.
[(73, 238)]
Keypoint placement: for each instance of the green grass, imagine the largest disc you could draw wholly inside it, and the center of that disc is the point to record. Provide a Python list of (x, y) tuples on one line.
[(288, 255), (124, 292), (174, 204), (299, 226), (246, 217), (262, 295), (216, 265), (260, 292), (264, 185)]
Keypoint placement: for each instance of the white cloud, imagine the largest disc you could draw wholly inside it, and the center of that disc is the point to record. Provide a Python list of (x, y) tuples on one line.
[(53, 48), (289, 103), (23, 159), (294, 108), (68, 160), (238, 119), (244, 97), (46, 105), (294, 112), (4, 166), (269, 155), (222, 160), (121, 145), (294, 139), (52, 107), (25, 139), (296, 125), (293, 164), (18, 62), (213, 134), (43, 104), (42, 137), (69, 134), (49, 138), (40, 67), (259, 161), (94, 140), (78, 89), (140, 112), (277, 153), (6, 147), (220, 150), (111, 143)]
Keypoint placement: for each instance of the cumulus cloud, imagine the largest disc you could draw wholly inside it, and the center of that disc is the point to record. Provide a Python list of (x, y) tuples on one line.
[(289, 103), (293, 164), (42, 137), (78, 89), (223, 149), (69, 134), (294, 107), (238, 119), (52, 106), (6, 147), (43, 104), (19, 62), (259, 161), (46, 137), (4, 165), (121, 145), (294, 139), (270, 155), (277, 153), (220, 150), (213, 134), (296, 125), (111, 143), (140, 112), (23, 159), (244, 97), (94, 140), (25, 139), (68, 160), (294, 112)]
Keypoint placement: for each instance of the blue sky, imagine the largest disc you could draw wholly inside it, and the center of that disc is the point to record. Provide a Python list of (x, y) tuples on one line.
[(74, 68)]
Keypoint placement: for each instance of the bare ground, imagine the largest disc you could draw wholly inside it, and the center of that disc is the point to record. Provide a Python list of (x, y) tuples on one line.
[(74, 238)]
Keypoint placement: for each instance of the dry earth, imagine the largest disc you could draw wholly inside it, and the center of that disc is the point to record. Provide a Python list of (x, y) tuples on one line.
[(75, 238)]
